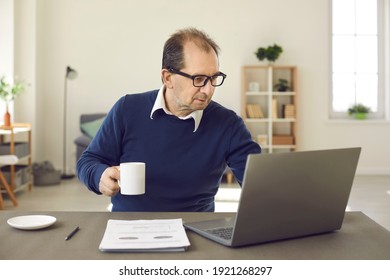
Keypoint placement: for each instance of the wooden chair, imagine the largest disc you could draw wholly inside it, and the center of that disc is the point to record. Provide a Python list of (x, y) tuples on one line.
[(6, 160)]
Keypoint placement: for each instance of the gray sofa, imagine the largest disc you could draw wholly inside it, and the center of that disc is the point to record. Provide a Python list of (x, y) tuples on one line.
[(84, 139)]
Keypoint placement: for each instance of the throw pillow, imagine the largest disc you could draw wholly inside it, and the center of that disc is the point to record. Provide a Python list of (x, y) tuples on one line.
[(91, 128)]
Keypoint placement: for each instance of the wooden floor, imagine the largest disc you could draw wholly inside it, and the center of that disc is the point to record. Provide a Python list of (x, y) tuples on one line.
[(370, 194)]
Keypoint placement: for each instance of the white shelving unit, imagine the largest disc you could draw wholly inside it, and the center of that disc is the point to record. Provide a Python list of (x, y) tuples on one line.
[(263, 107)]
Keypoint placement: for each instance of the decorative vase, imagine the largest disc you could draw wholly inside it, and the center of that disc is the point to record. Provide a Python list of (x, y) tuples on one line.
[(7, 117)]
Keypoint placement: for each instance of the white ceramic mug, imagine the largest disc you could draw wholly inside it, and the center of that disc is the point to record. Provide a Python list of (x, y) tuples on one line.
[(132, 178)]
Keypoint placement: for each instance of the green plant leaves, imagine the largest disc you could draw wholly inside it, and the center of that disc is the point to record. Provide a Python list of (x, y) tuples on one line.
[(271, 53)]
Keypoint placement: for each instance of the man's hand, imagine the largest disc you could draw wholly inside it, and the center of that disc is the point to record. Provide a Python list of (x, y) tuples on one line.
[(108, 184)]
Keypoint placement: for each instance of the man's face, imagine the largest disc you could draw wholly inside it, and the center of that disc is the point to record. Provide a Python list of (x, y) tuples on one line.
[(183, 98)]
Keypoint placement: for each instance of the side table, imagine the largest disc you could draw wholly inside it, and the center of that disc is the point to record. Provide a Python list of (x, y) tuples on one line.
[(11, 147)]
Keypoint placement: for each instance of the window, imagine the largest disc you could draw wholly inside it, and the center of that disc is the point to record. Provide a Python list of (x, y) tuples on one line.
[(358, 57)]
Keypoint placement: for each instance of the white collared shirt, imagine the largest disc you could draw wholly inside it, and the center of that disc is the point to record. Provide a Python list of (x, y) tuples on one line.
[(160, 104)]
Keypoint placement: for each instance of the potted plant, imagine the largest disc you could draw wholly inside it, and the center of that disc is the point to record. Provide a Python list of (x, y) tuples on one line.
[(271, 53), (359, 111), (8, 92), (282, 85)]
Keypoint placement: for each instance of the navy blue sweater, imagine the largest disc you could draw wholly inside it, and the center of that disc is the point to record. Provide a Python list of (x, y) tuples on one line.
[(183, 168)]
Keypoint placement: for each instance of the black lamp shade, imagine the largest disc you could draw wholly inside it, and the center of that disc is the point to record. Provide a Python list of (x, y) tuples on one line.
[(70, 73)]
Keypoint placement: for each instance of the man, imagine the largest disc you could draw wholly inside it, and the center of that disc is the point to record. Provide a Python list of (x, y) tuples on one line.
[(185, 138)]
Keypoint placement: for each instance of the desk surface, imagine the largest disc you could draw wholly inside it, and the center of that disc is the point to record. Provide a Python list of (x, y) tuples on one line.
[(359, 238)]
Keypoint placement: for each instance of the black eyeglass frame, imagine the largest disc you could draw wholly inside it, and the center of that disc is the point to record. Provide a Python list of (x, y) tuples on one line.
[(193, 77)]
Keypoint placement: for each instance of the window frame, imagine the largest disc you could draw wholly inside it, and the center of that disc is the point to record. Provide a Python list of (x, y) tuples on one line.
[(383, 20)]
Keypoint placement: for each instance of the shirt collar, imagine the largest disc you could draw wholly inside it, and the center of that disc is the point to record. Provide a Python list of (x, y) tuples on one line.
[(160, 104)]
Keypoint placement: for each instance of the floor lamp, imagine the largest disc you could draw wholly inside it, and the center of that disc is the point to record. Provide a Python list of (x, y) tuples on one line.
[(69, 75)]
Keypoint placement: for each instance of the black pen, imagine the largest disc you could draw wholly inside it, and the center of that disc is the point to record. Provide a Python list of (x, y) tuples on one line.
[(72, 233)]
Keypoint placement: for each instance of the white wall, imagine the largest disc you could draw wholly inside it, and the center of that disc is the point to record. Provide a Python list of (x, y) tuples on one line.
[(6, 46), (6, 33), (25, 109), (116, 46)]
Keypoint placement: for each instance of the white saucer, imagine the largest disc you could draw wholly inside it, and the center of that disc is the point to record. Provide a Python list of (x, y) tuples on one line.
[(31, 222)]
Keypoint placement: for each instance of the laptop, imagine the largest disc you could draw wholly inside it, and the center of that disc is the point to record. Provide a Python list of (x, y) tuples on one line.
[(287, 195)]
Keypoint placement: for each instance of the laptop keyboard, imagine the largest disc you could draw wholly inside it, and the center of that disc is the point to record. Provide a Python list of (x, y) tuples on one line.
[(225, 233)]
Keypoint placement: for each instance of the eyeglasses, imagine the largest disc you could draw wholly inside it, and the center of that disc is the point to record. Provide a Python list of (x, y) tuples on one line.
[(201, 80)]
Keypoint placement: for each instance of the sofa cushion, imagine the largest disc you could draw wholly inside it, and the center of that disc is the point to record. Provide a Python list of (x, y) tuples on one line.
[(91, 128), (82, 141)]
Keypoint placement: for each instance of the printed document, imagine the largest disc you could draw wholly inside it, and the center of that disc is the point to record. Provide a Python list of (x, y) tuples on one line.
[(161, 235)]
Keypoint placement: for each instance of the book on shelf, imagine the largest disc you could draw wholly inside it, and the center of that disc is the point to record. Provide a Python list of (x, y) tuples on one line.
[(254, 111), (288, 111), (274, 108), (160, 235)]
